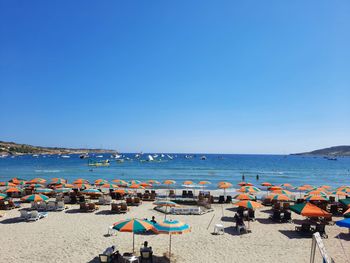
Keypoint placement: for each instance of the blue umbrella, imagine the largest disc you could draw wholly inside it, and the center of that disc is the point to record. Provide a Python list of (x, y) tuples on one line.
[(344, 223)]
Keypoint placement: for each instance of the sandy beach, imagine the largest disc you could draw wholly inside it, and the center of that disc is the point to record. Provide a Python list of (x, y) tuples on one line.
[(72, 236)]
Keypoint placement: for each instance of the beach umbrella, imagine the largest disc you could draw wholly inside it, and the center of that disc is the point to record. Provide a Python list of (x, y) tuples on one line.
[(165, 203), (3, 196), (204, 182), (188, 182), (316, 198), (308, 186), (33, 185), (121, 191), (244, 196), (249, 189), (344, 223), (134, 182), (344, 188), (286, 185), (245, 184), (12, 190), (17, 180), (91, 191), (35, 198), (145, 184), (82, 186), (224, 185), (153, 181), (81, 181), (309, 210), (345, 202), (347, 213), (101, 182), (169, 182), (64, 186), (135, 186), (37, 181), (284, 192), (278, 197), (63, 190), (248, 204), (325, 187), (110, 186), (266, 184), (58, 181), (7, 184), (171, 227), (301, 188), (43, 190), (338, 193), (275, 187), (134, 226), (120, 182), (316, 192)]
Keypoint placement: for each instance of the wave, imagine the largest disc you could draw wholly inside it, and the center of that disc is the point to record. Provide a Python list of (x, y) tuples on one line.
[(47, 171)]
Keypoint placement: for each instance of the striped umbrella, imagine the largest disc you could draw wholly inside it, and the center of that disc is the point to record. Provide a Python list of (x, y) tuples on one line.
[(34, 185), (134, 226), (286, 185), (134, 182), (278, 197), (316, 198), (308, 186), (145, 184), (325, 187), (309, 210), (43, 190), (37, 180), (248, 189), (3, 196), (165, 203), (224, 185), (244, 196), (248, 204), (170, 228), (7, 184), (82, 186), (12, 190), (121, 191), (153, 182), (110, 186), (135, 186), (101, 182), (344, 188), (275, 187), (58, 181), (266, 184), (188, 182), (338, 193), (204, 182), (91, 191), (63, 190), (120, 182), (316, 192), (17, 180), (35, 198), (64, 186), (284, 192), (81, 181), (169, 182)]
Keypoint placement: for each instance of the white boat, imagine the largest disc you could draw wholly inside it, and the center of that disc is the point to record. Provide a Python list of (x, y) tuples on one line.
[(65, 156), (99, 156), (203, 157), (155, 155), (162, 155), (116, 156), (170, 157), (150, 158), (35, 155)]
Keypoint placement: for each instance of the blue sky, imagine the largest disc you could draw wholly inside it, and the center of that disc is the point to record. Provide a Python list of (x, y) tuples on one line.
[(176, 76)]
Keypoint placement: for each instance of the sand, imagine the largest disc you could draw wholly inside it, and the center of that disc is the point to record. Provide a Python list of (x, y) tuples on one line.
[(71, 236)]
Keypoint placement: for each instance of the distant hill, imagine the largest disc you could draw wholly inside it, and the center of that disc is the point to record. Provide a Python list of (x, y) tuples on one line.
[(343, 150), (11, 148)]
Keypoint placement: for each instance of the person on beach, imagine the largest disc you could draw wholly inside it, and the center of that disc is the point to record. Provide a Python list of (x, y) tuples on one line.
[(145, 247), (109, 251), (153, 220)]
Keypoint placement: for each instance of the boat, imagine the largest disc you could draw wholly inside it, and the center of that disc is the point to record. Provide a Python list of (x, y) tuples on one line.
[(329, 158), (116, 156), (150, 158), (35, 155), (99, 164), (203, 157), (84, 156), (65, 156), (170, 157), (99, 156)]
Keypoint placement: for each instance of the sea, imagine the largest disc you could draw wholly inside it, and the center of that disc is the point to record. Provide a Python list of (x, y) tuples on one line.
[(233, 168)]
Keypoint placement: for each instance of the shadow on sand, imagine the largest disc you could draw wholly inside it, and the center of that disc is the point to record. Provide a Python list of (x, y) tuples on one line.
[(292, 234), (156, 259)]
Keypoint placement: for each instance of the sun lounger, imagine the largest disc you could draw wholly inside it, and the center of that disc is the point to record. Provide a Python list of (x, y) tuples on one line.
[(184, 194), (51, 206), (137, 201), (146, 256), (190, 194), (66, 199), (35, 215), (304, 228), (42, 206), (241, 229), (124, 208), (129, 201), (115, 208), (287, 217), (60, 206), (24, 214), (276, 216), (228, 199), (221, 199), (172, 194)]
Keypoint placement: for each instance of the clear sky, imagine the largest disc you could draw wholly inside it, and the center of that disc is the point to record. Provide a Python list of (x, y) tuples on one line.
[(176, 76)]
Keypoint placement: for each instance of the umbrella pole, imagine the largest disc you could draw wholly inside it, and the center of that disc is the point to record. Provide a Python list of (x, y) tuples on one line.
[(170, 248), (133, 242), (166, 211)]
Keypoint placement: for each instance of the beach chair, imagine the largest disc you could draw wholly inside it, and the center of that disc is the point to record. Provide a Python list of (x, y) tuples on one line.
[(108, 200), (66, 199), (84, 207), (152, 197), (287, 217), (104, 258), (35, 215), (221, 199), (241, 228), (139, 195), (33, 205), (137, 201), (321, 228), (251, 215), (60, 206), (286, 206), (304, 228), (276, 216), (184, 194), (146, 256), (124, 208), (154, 192), (14, 204), (51, 206), (228, 199), (172, 194), (146, 197), (42, 206), (266, 202), (115, 208), (129, 201), (24, 214), (91, 207), (190, 194)]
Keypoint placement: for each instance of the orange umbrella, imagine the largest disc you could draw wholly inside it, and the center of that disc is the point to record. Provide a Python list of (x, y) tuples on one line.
[(204, 182), (64, 186), (266, 184), (81, 181), (316, 192), (101, 181), (135, 186), (325, 186), (275, 187), (302, 188), (244, 197), (86, 186), (339, 193), (284, 192), (169, 182), (110, 186), (248, 189), (37, 181), (287, 185), (309, 187), (316, 198), (121, 191), (278, 197), (120, 182), (153, 181), (224, 185), (309, 210), (7, 184), (144, 184), (248, 204), (12, 190), (245, 184), (188, 182), (58, 181)]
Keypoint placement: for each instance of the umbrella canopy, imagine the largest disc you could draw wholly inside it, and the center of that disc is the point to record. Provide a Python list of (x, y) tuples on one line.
[(169, 182), (120, 182), (248, 204), (135, 186), (82, 186), (224, 185), (325, 187), (245, 184), (110, 186), (244, 196), (17, 180), (34, 185), (170, 228), (275, 187), (12, 190), (101, 182), (266, 184), (248, 189), (343, 223), (134, 182), (81, 181), (35, 198), (339, 193), (347, 213), (3, 196), (344, 188), (145, 184), (134, 226), (308, 186), (309, 210), (7, 184), (121, 191), (91, 191), (64, 186), (153, 181), (283, 192), (316, 198), (204, 182), (188, 182), (316, 192), (58, 181), (37, 180), (278, 197), (43, 190), (63, 190), (302, 188)]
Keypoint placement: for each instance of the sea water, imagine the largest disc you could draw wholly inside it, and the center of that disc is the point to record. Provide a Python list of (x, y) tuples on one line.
[(276, 169)]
